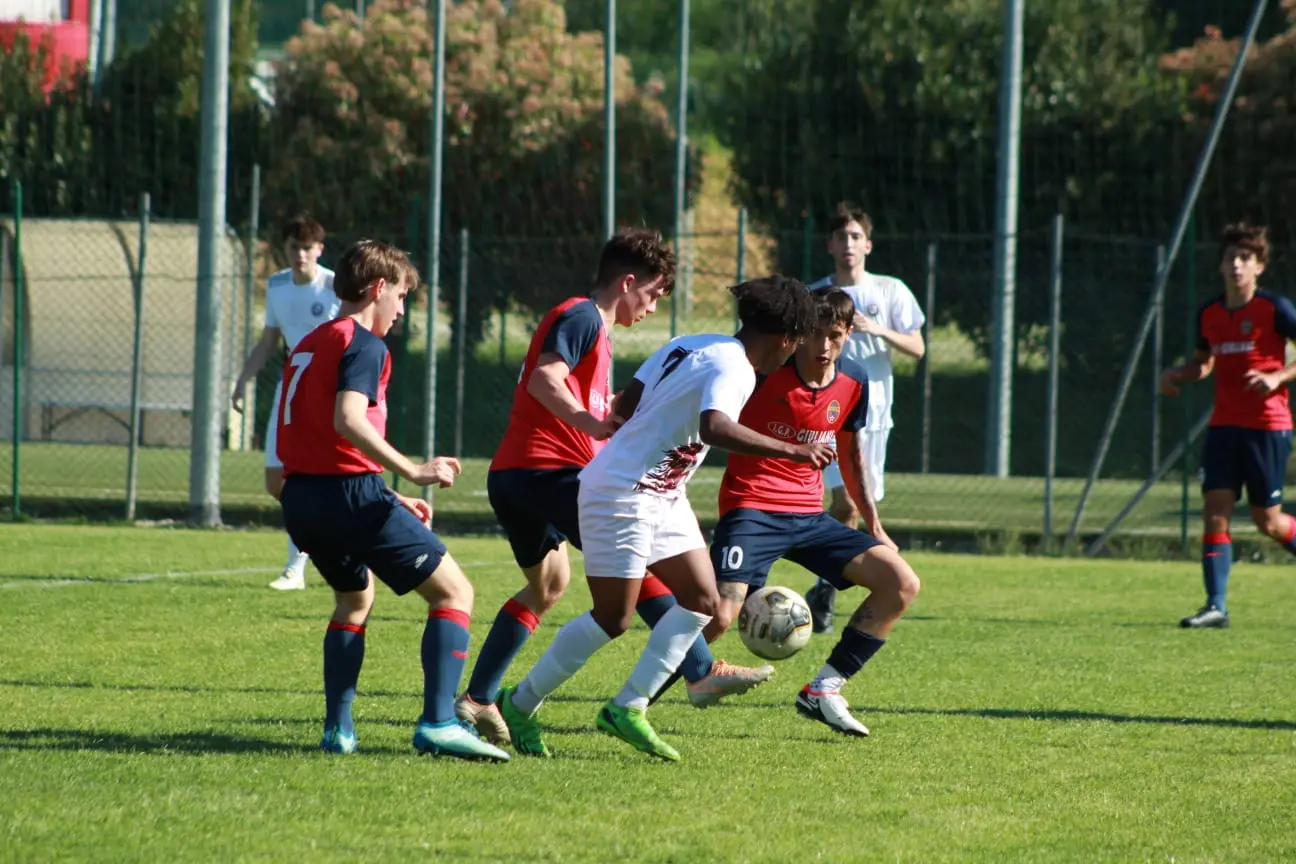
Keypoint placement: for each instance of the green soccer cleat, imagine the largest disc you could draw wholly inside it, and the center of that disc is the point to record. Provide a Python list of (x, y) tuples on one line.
[(337, 741), (631, 726), (524, 729), (455, 739)]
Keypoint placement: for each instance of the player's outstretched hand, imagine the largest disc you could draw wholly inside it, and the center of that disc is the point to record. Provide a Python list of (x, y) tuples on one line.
[(818, 455), (441, 470), (1263, 383), (1170, 383), (879, 533), (418, 507), (599, 430), (236, 401)]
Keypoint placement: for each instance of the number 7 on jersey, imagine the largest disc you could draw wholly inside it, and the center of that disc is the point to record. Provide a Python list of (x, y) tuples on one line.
[(299, 362)]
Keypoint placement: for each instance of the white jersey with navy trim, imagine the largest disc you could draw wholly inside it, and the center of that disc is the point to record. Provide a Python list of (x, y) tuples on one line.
[(296, 310)]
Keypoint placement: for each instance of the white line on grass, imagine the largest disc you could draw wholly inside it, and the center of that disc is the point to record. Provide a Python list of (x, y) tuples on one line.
[(179, 574)]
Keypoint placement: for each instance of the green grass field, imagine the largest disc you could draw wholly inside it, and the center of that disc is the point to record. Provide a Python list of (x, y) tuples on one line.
[(161, 704), (70, 479)]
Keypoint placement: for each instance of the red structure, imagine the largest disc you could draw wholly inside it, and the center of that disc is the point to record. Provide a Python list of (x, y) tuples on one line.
[(67, 35)]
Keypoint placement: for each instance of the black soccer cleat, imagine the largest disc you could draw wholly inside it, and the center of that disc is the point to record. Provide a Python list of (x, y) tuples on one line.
[(1209, 615), (822, 600)]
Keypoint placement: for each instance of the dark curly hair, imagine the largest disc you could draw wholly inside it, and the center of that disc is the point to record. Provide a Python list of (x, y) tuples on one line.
[(775, 305), (833, 306), (640, 252), (1248, 238)]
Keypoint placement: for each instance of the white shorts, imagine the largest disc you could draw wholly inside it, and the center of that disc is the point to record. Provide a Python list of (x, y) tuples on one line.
[(272, 431), (623, 536), (875, 446)]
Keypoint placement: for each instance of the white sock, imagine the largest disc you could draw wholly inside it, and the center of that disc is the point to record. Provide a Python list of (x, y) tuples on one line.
[(296, 559), (575, 643), (829, 680), (667, 645)]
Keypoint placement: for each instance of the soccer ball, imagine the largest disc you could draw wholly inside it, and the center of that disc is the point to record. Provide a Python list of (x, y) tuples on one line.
[(774, 623)]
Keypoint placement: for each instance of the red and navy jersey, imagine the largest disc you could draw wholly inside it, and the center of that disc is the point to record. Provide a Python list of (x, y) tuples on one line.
[(535, 438), (1253, 336), (337, 356), (785, 407)]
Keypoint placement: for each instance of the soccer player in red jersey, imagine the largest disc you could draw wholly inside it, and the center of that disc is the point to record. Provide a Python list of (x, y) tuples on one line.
[(338, 509), (772, 508), (1242, 337), (561, 417)]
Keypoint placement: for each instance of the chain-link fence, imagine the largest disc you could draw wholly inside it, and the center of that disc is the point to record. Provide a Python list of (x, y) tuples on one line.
[(332, 117)]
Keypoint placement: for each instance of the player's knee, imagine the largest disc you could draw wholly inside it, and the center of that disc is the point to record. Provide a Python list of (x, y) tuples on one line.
[(613, 621), (549, 585), (843, 510), (907, 585), (1274, 523), (353, 607), (448, 587)]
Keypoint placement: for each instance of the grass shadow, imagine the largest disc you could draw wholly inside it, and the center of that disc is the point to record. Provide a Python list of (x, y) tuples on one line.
[(1070, 716), (122, 742)]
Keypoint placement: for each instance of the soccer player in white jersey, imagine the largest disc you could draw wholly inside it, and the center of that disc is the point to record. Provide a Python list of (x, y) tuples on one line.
[(298, 300), (634, 513), (887, 318)]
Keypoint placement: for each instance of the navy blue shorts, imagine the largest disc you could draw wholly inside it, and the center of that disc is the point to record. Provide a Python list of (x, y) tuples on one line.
[(1233, 458), (746, 543), (352, 524), (536, 508)]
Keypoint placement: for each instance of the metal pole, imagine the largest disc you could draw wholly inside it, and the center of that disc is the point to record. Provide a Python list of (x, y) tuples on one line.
[(503, 325), (1190, 345), (1055, 354), (999, 412), (609, 121), (94, 46), (1181, 227), (249, 286), (310, 10), (137, 370), (360, 10), (681, 151), (926, 361), (19, 323), (204, 452), (740, 263), (461, 341), (807, 249), (435, 170), (1158, 352)]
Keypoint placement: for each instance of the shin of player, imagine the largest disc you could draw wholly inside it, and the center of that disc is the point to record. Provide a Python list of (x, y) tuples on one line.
[(1242, 337), (634, 514), (771, 509), (887, 318), (337, 506), (298, 299)]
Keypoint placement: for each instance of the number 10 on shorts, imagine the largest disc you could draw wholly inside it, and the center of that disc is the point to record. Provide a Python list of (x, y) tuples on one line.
[(731, 557)]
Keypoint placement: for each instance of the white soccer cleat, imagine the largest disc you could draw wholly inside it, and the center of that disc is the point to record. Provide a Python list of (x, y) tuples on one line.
[(830, 709), (726, 679), (486, 719), (290, 580)]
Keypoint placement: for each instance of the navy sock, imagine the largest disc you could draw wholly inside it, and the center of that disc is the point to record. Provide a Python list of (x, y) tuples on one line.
[(344, 646), (445, 650), (513, 626), (697, 662), (1217, 557), (853, 650)]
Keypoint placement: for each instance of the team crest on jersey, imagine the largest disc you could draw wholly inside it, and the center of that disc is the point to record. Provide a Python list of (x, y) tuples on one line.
[(834, 411), (317, 309), (1246, 327), (873, 310)]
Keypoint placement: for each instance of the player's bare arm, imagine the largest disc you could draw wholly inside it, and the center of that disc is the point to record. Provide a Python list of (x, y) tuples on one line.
[(625, 403), (1265, 383), (1197, 369), (854, 468), (906, 343), (719, 430), (548, 385), (351, 421), (256, 359)]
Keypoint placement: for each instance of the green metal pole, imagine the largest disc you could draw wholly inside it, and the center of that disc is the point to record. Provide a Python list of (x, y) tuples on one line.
[(137, 363), (740, 266), (807, 250), (1190, 346), (18, 350), (681, 158)]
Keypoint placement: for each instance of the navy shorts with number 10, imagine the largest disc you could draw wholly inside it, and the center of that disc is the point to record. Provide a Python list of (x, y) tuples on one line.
[(747, 542), (1255, 459)]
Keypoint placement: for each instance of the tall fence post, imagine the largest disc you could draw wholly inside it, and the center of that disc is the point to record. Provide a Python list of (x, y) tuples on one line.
[(1158, 353), (19, 289), (249, 288), (461, 341), (740, 257), (137, 370), (1190, 345), (609, 118), (681, 158), (1055, 352), (927, 359), (434, 228), (807, 249)]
